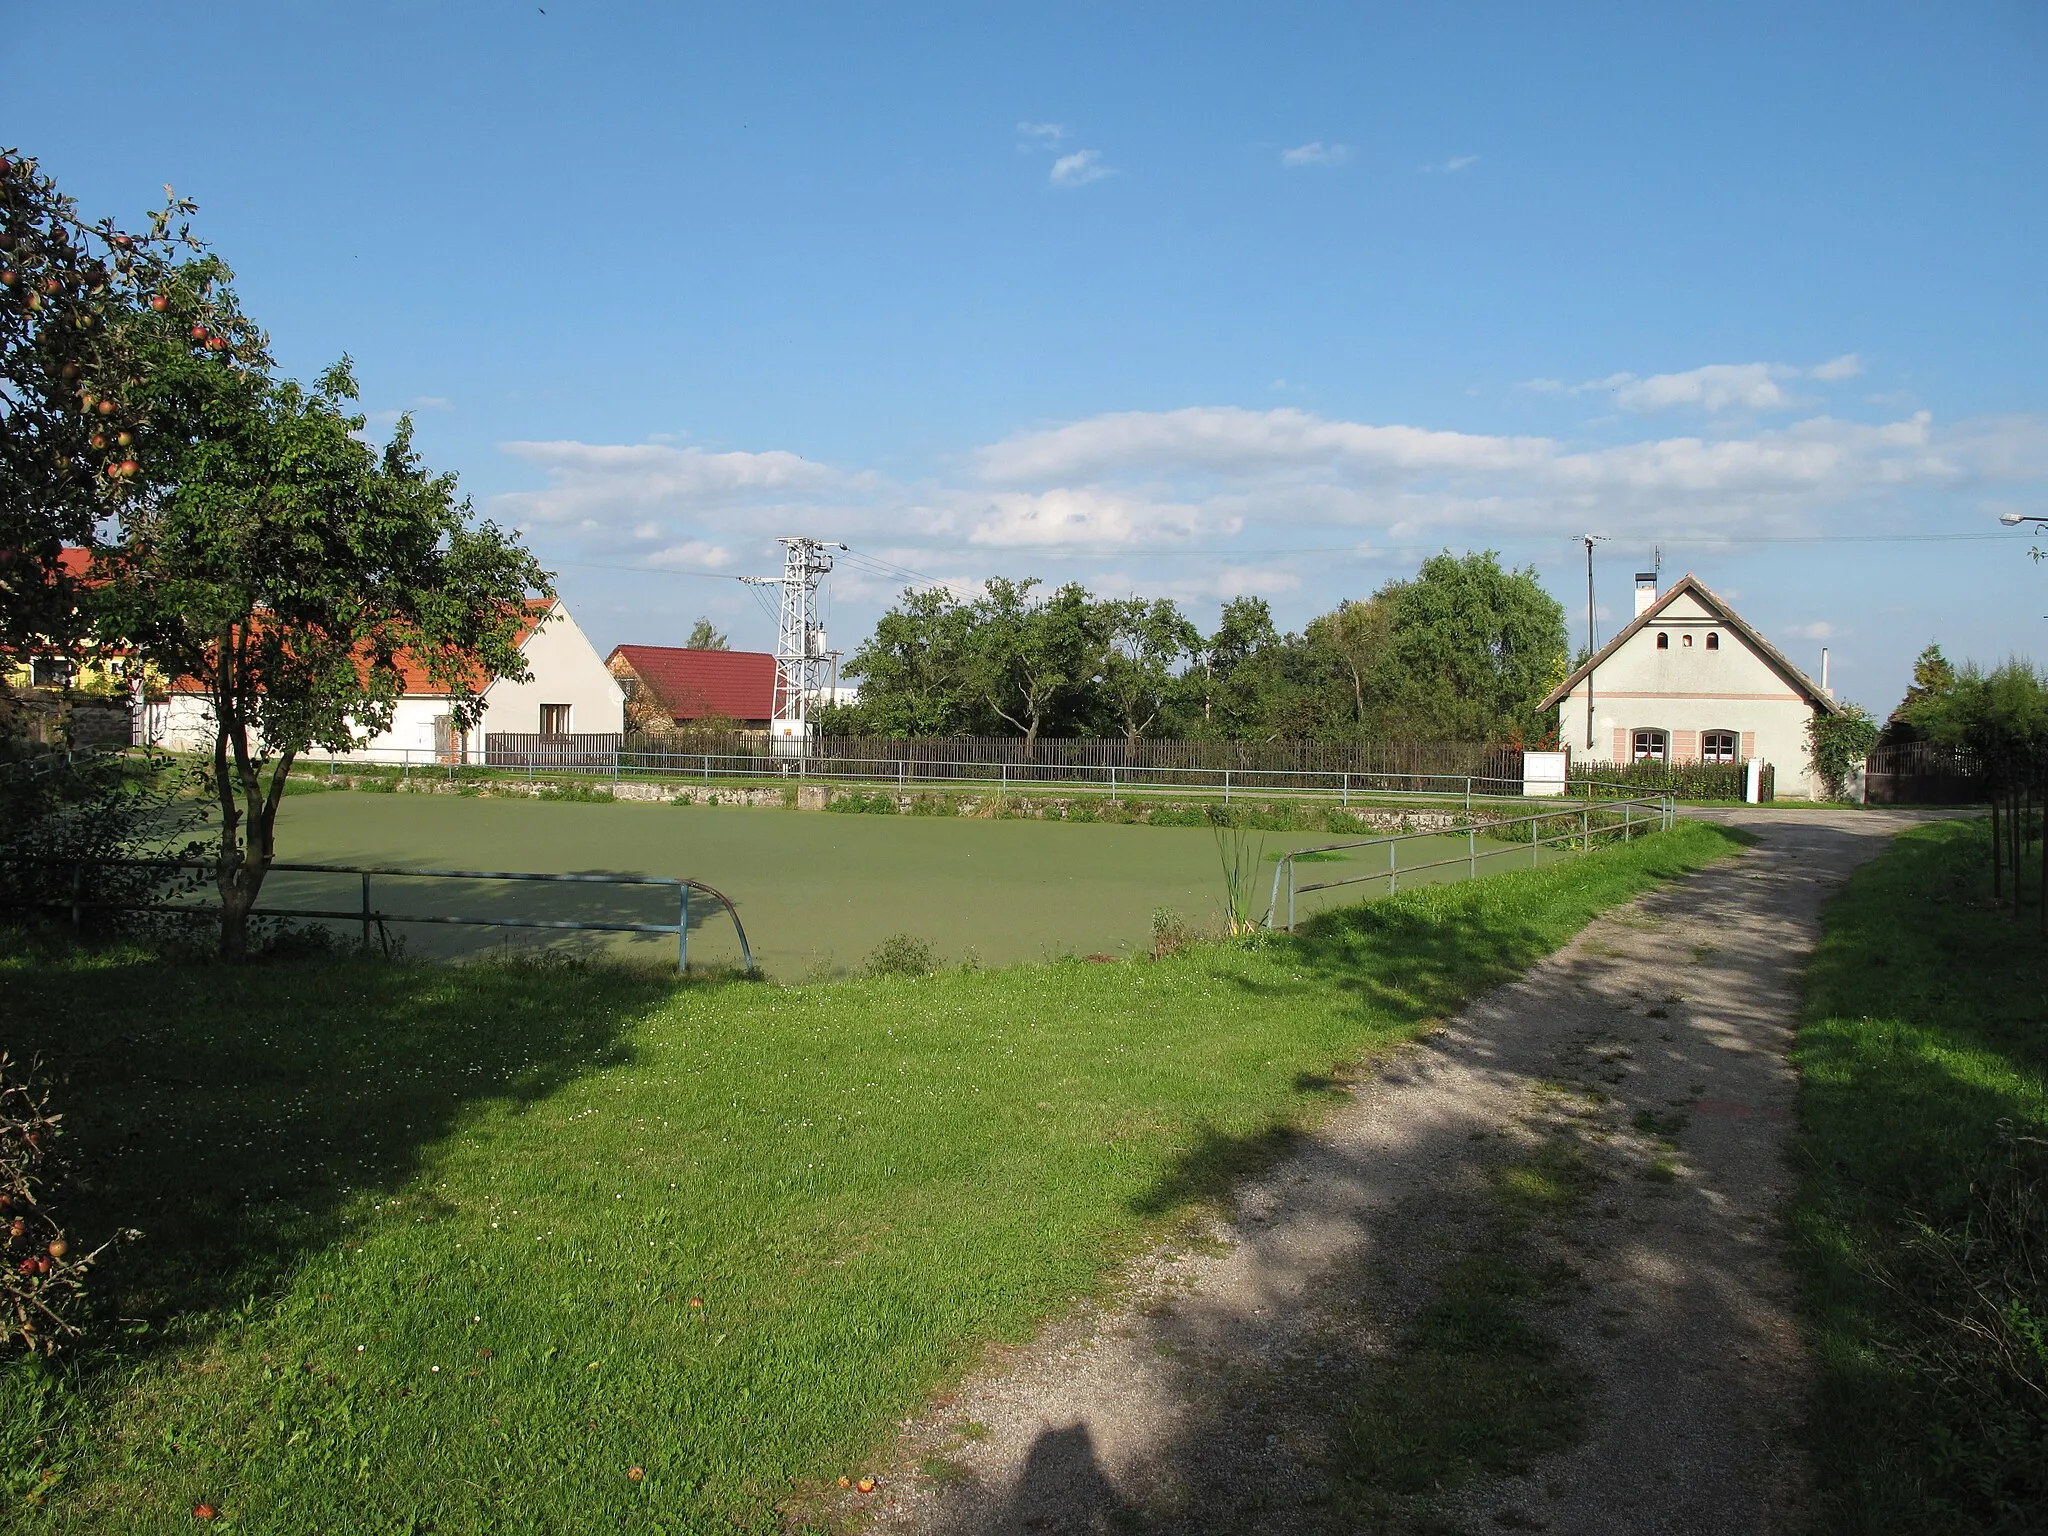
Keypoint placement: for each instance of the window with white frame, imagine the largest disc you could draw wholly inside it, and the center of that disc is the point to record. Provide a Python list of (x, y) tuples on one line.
[(554, 719), (1719, 746), (1653, 746)]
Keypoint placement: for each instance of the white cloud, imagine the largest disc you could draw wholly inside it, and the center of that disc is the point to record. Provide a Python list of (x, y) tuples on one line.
[(616, 482), (1040, 135), (1718, 388), (1448, 167), (1820, 629), (1079, 168), (1230, 439), (1083, 516), (694, 553), (1316, 152)]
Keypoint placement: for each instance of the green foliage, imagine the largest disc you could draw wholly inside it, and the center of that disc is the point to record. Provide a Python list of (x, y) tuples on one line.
[(855, 802), (581, 794), (705, 636), (1922, 1233), (1934, 679), (1143, 646), (1462, 651), (1836, 743), (1241, 859), (1688, 781), (902, 954), (1471, 650)]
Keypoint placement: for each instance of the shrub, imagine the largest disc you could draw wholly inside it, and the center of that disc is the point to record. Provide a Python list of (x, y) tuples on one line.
[(581, 794), (378, 785), (1178, 816), (1688, 781), (855, 802), (934, 805), (902, 954), (1171, 933), (1836, 744), (42, 1276)]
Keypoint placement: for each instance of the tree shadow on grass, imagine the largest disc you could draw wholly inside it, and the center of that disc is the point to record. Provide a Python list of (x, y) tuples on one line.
[(235, 1114)]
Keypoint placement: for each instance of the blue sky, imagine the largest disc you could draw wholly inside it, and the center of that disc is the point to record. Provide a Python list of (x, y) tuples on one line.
[(1193, 300)]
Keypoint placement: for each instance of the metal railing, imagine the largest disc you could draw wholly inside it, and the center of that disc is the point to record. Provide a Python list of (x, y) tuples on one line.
[(1117, 781), (1657, 813), (371, 917)]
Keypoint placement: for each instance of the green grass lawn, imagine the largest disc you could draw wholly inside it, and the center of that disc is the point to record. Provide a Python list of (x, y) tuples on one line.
[(816, 892), (458, 1248), (1923, 1211)]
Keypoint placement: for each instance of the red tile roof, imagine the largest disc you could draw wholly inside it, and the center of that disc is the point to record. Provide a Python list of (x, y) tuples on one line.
[(691, 684), (417, 680)]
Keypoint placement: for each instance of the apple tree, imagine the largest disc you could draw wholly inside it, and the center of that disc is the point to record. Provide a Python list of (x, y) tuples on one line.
[(274, 561), (70, 291)]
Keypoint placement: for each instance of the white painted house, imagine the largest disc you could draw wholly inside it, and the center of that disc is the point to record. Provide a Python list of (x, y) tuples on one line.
[(570, 692), (1689, 681)]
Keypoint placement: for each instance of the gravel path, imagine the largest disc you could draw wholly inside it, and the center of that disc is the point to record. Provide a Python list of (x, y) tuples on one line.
[(1211, 1398)]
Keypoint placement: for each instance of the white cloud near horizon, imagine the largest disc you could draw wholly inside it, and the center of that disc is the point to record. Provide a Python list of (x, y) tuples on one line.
[(1315, 152), (1717, 388), (1079, 168), (589, 481), (1222, 479)]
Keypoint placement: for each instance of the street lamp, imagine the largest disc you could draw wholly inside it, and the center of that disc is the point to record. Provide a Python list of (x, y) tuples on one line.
[(2014, 519)]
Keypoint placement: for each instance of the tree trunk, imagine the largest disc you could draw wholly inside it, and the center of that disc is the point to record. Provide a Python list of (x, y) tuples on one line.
[(2011, 848), (1997, 851)]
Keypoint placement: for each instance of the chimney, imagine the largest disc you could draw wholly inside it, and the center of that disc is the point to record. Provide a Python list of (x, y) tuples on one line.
[(1646, 590)]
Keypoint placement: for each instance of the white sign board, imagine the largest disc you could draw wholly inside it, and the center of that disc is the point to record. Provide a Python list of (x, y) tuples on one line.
[(1543, 772)]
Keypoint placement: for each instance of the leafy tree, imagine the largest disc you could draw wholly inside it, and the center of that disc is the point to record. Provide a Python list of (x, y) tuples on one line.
[(1227, 677), (291, 571), (1934, 677), (2001, 717), (69, 292), (1471, 648), (1026, 657), (1358, 635), (704, 636), (914, 671), (1144, 644)]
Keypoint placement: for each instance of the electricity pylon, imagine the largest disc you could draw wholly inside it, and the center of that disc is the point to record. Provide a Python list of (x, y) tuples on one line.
[(799, 639)]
